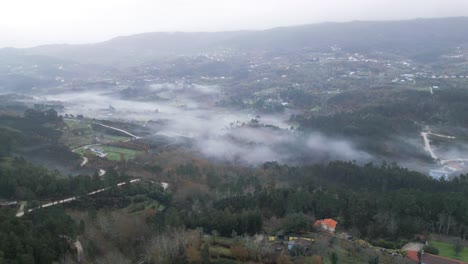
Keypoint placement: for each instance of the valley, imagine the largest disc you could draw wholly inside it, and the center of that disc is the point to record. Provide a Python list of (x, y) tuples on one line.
[(304, 144)]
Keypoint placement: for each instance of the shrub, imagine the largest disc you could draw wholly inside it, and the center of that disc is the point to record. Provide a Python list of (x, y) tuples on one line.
[(431, 249)]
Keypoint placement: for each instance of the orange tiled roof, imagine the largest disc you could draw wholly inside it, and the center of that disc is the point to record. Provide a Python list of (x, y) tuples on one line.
[(329, 222)]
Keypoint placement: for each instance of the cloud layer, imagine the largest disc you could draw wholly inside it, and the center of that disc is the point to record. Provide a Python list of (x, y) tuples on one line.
[(218, 133)]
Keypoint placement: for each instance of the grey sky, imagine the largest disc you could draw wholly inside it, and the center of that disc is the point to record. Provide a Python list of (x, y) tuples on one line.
[(34, 22)]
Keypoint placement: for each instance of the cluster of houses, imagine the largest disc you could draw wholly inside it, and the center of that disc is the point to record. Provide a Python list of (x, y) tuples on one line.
[(299, 243), (303, 243)]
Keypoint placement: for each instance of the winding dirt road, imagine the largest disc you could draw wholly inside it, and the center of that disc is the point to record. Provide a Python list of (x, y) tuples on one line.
[(427, 145), (85, 160), (428, 148)]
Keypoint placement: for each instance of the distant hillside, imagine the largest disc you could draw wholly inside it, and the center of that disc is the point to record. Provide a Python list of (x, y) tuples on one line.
[(422, 39)]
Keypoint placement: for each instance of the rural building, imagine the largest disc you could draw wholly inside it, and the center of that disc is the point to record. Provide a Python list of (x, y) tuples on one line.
[(327, 225), (99, 152)]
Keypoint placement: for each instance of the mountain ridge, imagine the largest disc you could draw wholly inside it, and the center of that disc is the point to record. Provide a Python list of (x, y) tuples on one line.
[(418, 36)]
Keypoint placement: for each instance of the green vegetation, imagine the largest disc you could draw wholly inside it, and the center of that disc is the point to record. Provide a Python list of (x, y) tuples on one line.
[(78, 133), (36, 238), (421, 89), (35, 136), (383, 203), (74, 124), (370, 92), (116, 153), (431, 249), (375, 120), (448, 250), (22, 180)]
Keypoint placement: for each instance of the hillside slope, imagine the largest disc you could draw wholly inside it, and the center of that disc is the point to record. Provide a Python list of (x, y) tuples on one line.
[(422, 39)]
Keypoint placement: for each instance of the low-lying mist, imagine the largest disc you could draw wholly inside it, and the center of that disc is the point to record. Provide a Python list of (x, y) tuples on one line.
[(222, 134), (254, 145)]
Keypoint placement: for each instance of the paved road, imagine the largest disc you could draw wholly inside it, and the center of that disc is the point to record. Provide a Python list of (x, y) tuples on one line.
[(21, 211), (120, 130)]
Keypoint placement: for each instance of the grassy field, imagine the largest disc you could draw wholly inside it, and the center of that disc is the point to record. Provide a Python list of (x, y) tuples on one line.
[(81, 133), (88, 138), (85, 137), (76, 124), (115, 138), (446, 250), (422, 89), (115, 153), (220, 251), (76, 142)]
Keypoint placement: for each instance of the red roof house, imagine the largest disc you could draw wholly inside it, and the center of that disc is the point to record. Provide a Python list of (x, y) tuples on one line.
[(328, 225)]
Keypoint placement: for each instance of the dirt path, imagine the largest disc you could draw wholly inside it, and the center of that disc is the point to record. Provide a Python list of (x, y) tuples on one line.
[(413, 247), (85, 160), (20, 211), (428, 147), (79, 250)]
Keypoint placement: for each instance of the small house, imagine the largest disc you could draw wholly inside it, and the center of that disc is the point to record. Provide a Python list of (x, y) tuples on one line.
[(327, 225)]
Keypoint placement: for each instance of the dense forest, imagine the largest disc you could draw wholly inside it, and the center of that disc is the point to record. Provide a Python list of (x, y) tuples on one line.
[(376, 201), (384, 204), (41, 237), (376, 125)]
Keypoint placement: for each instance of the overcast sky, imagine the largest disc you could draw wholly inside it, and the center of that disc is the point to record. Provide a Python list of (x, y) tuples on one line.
[(33, 22)]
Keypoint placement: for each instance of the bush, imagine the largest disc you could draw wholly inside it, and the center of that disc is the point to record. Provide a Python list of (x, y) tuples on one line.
[(136, 208), (431, 249), (385, 244), (139, 199)]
